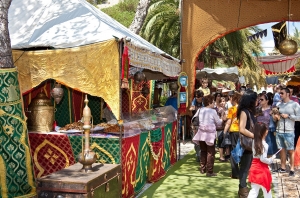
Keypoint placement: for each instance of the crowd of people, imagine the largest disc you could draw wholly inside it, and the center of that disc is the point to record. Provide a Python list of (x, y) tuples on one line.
[(270, 120)]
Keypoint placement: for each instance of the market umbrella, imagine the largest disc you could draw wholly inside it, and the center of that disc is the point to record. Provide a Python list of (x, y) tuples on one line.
[(278, 64), (226, 74)]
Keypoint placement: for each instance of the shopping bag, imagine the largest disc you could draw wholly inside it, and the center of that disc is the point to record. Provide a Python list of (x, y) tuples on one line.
[(237, 152)]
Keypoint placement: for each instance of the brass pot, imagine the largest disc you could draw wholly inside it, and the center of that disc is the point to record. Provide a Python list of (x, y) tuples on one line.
[(40, 114), (288, 47)]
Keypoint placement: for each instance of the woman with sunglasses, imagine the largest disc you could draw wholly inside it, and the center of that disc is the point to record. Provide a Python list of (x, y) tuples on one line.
[(266, 102)]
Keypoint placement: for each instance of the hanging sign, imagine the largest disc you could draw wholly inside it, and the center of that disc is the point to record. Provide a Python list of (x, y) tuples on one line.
[(182, 100)]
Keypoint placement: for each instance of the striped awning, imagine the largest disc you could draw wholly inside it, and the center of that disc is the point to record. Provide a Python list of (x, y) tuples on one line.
[(278, 64)]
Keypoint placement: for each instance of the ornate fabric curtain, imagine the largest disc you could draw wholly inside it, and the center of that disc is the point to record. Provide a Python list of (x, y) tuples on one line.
[(92, 69)]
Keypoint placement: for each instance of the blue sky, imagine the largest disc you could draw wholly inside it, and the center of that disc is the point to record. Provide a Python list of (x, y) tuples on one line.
[(268, 42)]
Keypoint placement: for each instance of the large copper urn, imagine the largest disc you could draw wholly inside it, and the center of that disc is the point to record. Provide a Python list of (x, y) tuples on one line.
[(40, 114)]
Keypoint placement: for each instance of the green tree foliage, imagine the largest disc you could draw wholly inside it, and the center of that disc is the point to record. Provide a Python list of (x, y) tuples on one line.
[(296, 37), (234, 49), (162, 26), (123, 12)]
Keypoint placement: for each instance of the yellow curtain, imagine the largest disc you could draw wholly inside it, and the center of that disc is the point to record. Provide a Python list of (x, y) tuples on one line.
[(92, 69)]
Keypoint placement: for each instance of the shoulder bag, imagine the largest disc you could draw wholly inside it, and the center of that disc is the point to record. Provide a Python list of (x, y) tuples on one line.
[(195, 119), (246, 142)]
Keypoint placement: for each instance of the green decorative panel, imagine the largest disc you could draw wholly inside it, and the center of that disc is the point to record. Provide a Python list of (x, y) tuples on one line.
[(143, 163), (16, 174), (156, 135), (95, 106), (106, 149), (167, 146), (64, 114)]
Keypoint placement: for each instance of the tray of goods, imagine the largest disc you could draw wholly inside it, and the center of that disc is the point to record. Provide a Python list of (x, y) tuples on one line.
[(75, 127), (110, 128), (146, 124), (97, 128)]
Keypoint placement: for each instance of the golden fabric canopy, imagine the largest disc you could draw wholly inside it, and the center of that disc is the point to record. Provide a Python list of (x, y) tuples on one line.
[(92, 69)]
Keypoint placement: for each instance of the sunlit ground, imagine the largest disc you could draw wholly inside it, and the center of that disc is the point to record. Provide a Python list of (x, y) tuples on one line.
[(185, 180)]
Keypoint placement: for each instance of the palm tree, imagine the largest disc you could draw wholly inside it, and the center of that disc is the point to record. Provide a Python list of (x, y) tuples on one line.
[(233, 49), (140, 16), (6, 60), (162, 26), (296, 36)]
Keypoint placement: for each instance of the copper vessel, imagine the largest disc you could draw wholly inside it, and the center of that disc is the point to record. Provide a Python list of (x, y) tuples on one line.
[(57, 93), (40, 114), (288, 47)]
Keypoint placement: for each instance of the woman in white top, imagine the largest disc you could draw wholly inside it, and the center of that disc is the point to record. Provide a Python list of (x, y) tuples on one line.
[(259, 173)]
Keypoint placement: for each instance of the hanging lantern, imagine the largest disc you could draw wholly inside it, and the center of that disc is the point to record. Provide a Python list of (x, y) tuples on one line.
[(288, 47), (139, 77), (145, 90), (57, 92)]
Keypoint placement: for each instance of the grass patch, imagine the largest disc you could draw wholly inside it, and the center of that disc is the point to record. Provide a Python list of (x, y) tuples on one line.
[(185, 180)]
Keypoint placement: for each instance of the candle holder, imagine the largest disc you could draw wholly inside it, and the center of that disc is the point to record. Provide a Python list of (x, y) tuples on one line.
[(87, 157)]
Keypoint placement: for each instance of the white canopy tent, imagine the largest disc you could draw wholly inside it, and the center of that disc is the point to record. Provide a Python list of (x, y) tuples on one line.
[(226, 74), (84, 44), (64, 24)]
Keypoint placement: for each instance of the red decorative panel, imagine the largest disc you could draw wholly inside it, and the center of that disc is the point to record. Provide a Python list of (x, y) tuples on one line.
[(174, 144), (156, 170), (125, 101), (78, 104), (50, 153), (130, 153), (139, 102)]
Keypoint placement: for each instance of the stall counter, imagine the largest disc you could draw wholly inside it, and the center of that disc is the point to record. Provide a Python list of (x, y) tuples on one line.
[(147, 156)]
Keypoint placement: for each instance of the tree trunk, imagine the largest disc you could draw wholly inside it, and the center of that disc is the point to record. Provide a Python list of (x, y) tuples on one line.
[(140, 16), (6, 60)]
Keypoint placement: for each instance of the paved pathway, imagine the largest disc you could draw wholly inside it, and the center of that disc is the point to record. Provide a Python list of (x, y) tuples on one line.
[(284, 185)]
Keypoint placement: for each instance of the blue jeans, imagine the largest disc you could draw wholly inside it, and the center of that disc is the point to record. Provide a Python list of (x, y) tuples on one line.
[(285, 140)]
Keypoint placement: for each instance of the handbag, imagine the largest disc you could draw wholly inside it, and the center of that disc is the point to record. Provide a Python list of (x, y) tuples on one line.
[(226, 140), (246, 142), (237, 152), (195, 119)]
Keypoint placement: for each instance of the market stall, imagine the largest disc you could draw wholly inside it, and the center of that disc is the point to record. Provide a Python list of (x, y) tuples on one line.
[(226, 74), (147, 151), (87, 60)]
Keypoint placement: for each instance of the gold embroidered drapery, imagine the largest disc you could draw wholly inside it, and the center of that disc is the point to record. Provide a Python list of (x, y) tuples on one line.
[(92, 69)]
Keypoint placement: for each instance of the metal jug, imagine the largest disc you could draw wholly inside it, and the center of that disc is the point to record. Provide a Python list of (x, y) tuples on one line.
[(40, 114)]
